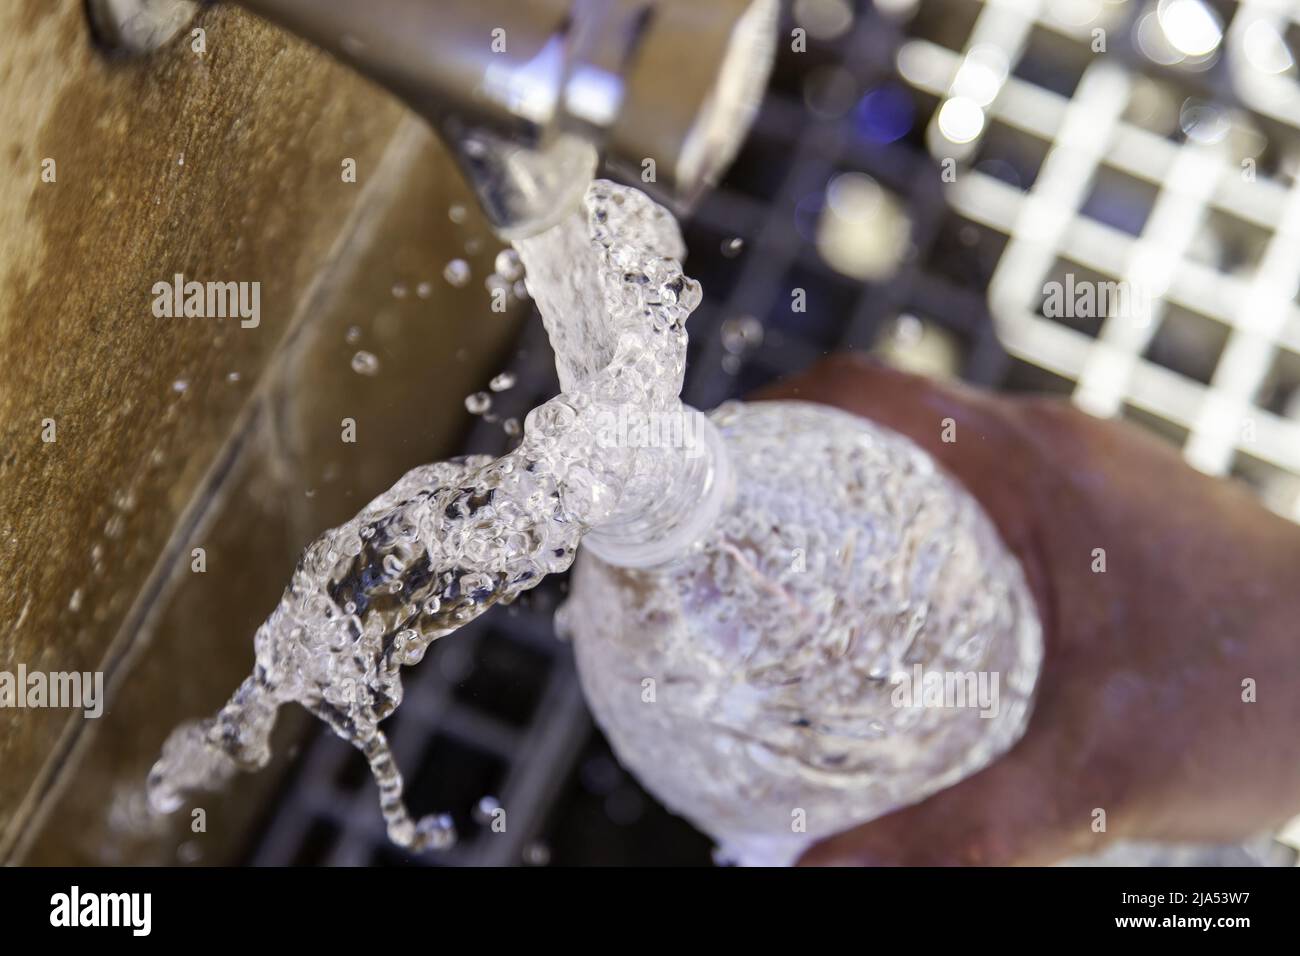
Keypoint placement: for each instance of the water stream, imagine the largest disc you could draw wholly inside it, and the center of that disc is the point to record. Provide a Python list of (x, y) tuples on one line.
[(451, 539)]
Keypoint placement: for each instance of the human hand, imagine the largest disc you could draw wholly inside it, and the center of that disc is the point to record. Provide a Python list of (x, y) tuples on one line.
[(1140, 707)]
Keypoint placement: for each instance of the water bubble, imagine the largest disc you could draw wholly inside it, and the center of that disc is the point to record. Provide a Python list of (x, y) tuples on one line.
[(732, 247), (457, 213), (424, 290), (537, 854), (353, 335), (824, 19), (552, 420), (74, 602), (232, 377), (365, 363), (511, 427), (503, 381), (457, 273), (508, 266), (399, 290), (439, 831), (520, 290), (474, 245), (479, 403), (486, 808), (412, 648), (741, 334), (180, 385)]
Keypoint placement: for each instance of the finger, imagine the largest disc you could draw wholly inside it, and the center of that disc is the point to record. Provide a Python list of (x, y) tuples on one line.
[(1003, 815), (910, 404), (970, 432)]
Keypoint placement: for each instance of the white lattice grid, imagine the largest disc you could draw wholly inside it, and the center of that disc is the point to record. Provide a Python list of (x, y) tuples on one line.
[(1224, 426)]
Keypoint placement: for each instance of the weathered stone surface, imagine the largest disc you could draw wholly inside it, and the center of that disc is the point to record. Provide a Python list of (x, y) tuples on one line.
[(175, 433)]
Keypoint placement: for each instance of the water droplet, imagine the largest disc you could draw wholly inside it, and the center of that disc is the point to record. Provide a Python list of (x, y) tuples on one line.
[(741, 334), (502, 382), (732, 247), (537, 854), (508, 266), (485, 808), (457, 273), (365, 363), (479, 403), (440, 831)]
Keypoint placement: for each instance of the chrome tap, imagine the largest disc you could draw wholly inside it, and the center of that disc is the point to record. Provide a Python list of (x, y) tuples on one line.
[(528, 93)]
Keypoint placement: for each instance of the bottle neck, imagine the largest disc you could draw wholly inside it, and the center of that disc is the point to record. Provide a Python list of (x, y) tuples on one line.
[(683, 489)]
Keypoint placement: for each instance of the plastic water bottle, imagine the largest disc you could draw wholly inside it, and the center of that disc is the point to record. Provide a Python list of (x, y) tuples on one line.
[(821, 627)]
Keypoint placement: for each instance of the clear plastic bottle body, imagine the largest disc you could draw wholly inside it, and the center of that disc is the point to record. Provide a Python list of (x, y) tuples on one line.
[(851, 636)]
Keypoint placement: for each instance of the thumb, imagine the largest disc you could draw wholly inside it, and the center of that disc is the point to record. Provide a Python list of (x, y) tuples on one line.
[(1003, 815)]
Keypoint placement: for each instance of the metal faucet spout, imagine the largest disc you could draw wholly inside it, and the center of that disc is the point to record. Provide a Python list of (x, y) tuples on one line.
[(528, 93)]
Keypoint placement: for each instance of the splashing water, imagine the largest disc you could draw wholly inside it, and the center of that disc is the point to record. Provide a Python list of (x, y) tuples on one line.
[(451, 539)]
